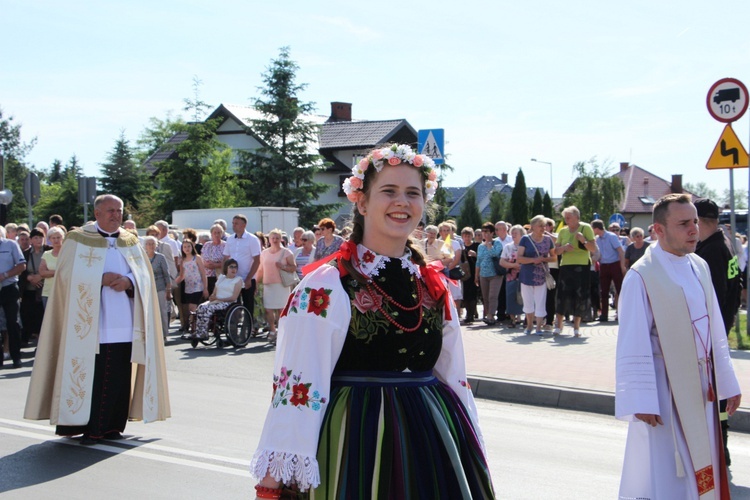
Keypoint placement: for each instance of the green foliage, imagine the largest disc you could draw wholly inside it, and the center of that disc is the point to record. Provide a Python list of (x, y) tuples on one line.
[(547, 208), (62, 197), (595, 190), (196, 106), (180, 178), (536, 205), (221, 188), (519, 205), (437, 210), (148, 211), (740, 199), (14, 151), (738, 336), (122, 176), (470, 215), (702, 190), (155, 135), (54, 174), (281, 172)]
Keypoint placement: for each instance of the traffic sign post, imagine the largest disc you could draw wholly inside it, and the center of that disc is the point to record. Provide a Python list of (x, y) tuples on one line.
[(619, 219), (31, 192), (727, 100), (432, 143), (729, 152)]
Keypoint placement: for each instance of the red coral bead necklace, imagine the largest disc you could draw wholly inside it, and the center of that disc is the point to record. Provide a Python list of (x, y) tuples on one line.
[(369, 286)]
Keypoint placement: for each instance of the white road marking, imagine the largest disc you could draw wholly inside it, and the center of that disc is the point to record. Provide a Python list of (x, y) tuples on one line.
[(136, 449)]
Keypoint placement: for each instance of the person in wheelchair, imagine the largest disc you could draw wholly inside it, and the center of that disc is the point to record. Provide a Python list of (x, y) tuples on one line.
[(227, 290)]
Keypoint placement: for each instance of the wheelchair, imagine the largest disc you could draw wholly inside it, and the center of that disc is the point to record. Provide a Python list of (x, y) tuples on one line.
[(233, 326)]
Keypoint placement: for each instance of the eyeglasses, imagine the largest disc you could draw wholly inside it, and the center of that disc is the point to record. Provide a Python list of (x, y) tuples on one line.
[(303, 239), (232, 267)]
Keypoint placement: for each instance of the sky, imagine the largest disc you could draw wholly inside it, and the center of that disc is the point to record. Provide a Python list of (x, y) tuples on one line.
[(508, 81)]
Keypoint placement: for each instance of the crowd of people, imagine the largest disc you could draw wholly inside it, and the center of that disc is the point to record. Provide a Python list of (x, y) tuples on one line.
[(530, 276)]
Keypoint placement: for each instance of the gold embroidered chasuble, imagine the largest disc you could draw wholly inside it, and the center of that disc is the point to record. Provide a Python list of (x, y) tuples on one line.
[(675, 330), (61, 381)]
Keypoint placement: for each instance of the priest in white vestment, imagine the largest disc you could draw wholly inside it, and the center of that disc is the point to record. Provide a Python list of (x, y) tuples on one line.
[(100, 358), (673, 366)]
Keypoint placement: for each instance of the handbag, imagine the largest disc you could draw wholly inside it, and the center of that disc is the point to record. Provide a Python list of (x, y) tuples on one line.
[(464, 265), (288, 278), (457, 273), (548, 279)]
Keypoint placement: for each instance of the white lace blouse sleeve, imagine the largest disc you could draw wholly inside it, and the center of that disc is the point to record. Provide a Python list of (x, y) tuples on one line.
[(312, 330), (451, 367)]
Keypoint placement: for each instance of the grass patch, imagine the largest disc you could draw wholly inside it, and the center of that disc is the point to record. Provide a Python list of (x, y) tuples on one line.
[(738, 338)]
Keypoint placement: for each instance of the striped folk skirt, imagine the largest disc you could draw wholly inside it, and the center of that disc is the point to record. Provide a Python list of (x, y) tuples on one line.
[(395, 435)]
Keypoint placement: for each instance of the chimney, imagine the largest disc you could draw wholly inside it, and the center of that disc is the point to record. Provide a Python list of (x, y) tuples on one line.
[(624, 166), (677, 183), (341, 112), (504, 178)]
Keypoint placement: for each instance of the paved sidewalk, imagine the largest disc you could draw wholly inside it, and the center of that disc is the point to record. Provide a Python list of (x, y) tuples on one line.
[(564, 371)]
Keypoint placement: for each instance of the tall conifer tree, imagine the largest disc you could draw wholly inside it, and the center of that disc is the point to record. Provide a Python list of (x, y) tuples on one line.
[(281, 172), (519, 203)]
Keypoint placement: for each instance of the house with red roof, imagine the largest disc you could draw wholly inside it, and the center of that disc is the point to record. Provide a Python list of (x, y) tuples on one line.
[(642, 189)]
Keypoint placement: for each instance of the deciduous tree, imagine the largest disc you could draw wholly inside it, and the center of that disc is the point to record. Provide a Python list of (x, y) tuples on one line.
[(14, 150), (595, 190)]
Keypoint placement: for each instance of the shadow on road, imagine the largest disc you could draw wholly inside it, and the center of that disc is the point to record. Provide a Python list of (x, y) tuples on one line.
[(51, 460), (44, 462), (737, 491), (256, 346)]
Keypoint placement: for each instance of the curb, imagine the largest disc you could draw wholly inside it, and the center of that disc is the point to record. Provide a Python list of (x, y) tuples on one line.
[(512, 391)]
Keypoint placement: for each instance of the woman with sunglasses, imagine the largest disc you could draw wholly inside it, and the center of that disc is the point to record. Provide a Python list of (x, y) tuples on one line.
[(303, 255)]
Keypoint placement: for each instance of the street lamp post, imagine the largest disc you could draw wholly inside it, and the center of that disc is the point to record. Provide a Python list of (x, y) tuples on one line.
[(550, 174)]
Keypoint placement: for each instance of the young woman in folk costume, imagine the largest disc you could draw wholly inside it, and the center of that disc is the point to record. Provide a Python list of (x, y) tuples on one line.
[(370, 398)]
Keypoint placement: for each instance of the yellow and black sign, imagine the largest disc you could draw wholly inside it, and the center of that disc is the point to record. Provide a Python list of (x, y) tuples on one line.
[(729, 152)]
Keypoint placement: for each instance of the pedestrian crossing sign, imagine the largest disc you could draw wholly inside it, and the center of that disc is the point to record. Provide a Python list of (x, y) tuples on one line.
[(728, 152), (431, 143)]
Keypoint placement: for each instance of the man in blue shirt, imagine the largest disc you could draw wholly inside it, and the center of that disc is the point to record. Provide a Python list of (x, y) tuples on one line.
[(12, 264), (611, 265)]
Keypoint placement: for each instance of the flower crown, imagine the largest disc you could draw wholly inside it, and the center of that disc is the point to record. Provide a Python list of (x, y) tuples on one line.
[(392, 155)]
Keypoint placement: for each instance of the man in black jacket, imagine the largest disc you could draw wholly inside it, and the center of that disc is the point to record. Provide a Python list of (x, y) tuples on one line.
[(725, 275)]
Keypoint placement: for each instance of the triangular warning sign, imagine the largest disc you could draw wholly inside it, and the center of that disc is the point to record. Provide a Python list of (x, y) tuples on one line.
[(431, 148), (729, 152)]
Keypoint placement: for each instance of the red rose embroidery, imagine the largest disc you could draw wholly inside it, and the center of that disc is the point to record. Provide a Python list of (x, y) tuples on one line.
[(368, 257), (319, 300), (364, 302), (299, 395)]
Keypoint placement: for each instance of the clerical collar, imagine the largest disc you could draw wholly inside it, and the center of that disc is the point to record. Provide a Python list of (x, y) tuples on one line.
[(370, 263), (116, 234)]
